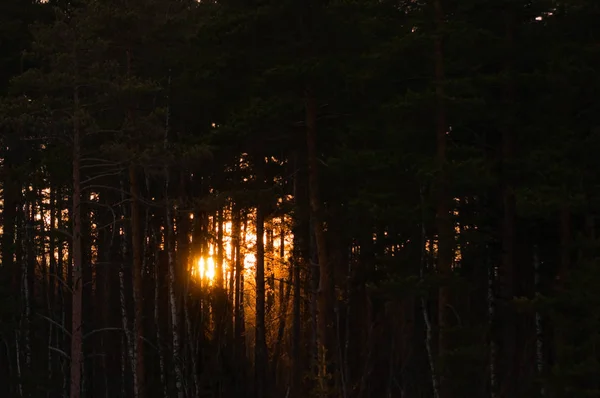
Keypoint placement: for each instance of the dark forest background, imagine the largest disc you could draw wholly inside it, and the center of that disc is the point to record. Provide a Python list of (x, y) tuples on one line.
[(418, 183)]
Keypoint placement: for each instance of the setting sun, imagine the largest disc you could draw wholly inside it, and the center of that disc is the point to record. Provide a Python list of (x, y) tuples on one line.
[(205, 269)]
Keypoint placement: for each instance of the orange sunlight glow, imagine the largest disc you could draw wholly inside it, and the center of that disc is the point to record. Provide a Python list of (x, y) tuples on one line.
[(205, 269)]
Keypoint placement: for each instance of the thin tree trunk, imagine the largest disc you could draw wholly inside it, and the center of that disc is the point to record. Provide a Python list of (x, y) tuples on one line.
[(77, 282), (129, 341), (426, 318), (260, 350), (157, 320), (169, 245), (237, 264), (52, 278), (26, 279), (172, 293), (443, 221), (285, 298), (137, 279), (238, 327), (10, 188), (299, 255), (491, 316), (563, 272), (183, 234), (220, 294), (325, 289), (539, 343), (506, 272)]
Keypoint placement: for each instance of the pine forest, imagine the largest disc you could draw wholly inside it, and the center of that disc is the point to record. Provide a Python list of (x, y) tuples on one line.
[(299, 199)]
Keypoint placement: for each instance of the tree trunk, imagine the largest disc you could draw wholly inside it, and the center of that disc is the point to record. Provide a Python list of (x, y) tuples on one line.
[(443, 219), (260, 351), (138, 293), (426, 318), (157, 319), (77, 282), (300, 256), (491, 307), (169, 243), (129, 341), (238, 265), (325, 289), (506, 313), (11, 200)]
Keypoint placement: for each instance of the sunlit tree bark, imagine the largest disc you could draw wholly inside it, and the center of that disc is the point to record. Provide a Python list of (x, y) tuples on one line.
[(260, 349)]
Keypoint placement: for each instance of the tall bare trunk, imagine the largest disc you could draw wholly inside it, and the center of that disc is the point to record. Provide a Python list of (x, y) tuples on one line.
[(239, 353), (426, 317), (10, 188), (491, 315), (443, 220), (172, 293), (18, 362), (27, 269), (137, 278), (539, 343), (183, 246), (52, 278), (506, 272), (325, 289), (260, 351), (77, 282), (236, 231), (297, 258), (220, 293), (129, 341), (157, 320), (169, 246)]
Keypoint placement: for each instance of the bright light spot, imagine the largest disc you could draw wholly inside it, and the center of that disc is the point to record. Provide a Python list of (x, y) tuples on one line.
[(206, 269)]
